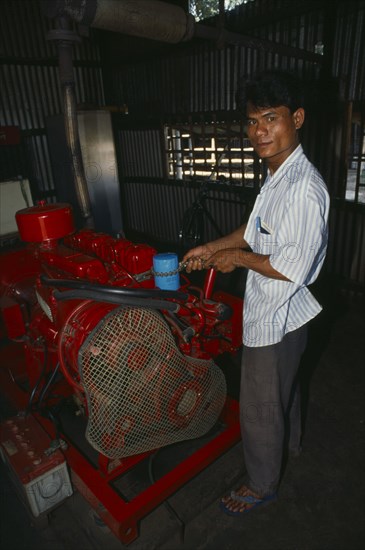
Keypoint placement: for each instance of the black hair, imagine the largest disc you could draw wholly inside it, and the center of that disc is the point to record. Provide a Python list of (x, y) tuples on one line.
[(271, 89)]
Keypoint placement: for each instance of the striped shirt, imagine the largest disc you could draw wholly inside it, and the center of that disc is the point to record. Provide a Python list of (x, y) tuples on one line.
[(289, 223)]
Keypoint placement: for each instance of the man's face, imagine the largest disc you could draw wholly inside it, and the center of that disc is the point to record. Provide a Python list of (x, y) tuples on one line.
[(273, 132)]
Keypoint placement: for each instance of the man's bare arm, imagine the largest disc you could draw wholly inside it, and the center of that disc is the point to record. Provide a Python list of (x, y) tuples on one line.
[(197, 257), (227, 260)]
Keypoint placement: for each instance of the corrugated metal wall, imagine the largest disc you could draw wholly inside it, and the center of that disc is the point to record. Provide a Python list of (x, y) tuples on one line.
[(30, 89), (168, 204), (191, 78), (198, 79), (202, 78), (135, 144), (349, 49)]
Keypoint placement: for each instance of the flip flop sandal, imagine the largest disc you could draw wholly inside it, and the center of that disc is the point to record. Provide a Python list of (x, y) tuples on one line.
[(249, 499)]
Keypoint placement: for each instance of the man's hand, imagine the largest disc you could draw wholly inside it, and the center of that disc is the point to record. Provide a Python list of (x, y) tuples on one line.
[(224, 260), (212, 253), (204, 257), (197, 258)]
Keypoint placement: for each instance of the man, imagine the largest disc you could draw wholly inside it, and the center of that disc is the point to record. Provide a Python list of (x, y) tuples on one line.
[(283, 246)]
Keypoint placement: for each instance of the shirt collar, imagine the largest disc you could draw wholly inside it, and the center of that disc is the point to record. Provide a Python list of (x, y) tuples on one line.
[(271, 181)]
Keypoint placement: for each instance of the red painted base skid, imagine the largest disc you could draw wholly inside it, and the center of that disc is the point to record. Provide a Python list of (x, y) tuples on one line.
[(122, 517), (94, 484)]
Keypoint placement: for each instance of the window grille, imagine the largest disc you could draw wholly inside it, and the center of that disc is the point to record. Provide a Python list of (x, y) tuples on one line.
[(218, 152), (355, 182)]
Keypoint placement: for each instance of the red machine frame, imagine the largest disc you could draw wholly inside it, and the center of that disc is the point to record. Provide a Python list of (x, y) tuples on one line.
[(121, 516), (95, 483)]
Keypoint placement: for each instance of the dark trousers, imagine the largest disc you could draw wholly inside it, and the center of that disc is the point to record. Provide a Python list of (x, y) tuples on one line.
[(270, 408)]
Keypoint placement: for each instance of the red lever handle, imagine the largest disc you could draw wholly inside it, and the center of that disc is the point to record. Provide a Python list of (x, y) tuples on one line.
[(209, 283)]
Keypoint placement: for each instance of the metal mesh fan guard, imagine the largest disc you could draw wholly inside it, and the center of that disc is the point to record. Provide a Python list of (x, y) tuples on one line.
[(142, 392)]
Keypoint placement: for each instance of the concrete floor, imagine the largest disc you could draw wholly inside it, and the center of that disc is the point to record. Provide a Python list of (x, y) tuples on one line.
[(321, 498)]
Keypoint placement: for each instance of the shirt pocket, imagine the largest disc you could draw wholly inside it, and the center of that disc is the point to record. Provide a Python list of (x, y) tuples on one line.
[(266, 243)]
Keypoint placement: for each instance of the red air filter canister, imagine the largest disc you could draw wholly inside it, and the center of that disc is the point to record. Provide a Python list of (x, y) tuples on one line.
[(45, 222)]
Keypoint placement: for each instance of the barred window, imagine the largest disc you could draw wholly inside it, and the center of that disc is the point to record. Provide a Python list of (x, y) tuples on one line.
[(203, 9), (218, 152), (355, 182)]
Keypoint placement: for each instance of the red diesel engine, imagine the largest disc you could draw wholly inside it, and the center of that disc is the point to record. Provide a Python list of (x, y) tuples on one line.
[(83, 320)]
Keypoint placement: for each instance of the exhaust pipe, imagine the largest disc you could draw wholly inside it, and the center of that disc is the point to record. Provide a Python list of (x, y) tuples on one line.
[(65, 38), (144, 18)]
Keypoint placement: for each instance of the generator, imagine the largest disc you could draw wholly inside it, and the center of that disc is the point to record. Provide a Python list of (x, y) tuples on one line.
[(102, 365)]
